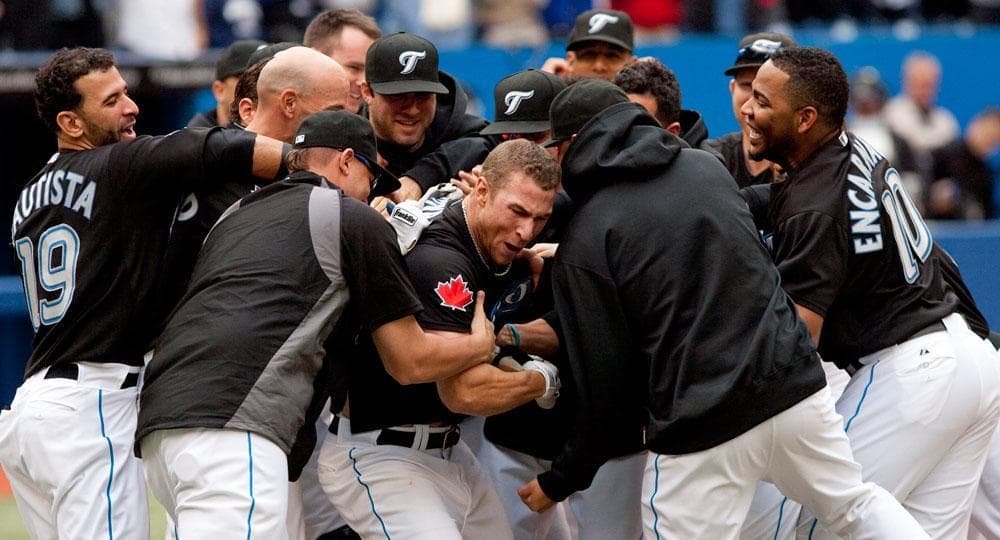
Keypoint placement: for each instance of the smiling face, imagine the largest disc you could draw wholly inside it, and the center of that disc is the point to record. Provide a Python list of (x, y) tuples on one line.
[(506, 216), (741, 89), (770, 117), (106, 112), (402, 119)]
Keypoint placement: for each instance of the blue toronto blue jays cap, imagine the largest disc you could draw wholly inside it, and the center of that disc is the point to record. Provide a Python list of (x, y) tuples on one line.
[(522, 102), (401, 63)]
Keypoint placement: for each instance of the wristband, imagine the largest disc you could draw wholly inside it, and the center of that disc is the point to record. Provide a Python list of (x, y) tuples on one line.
[(515, 334)]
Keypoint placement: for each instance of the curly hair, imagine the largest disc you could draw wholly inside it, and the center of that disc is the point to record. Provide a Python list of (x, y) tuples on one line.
[(815, 78), (652, 77), (55, 89)]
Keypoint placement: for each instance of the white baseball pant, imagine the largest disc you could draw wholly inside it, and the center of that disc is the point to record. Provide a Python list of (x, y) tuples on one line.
[(920, 417), (310, 512), (218, 483), (387, 491), (803, 450), (66, 448)]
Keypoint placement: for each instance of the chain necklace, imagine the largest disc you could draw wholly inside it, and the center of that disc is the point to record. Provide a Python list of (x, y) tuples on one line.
[(476, 245)]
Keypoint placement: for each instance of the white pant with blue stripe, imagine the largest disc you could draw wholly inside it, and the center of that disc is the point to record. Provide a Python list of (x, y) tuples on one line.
[(66, 448), (218, 483), (803, 450)]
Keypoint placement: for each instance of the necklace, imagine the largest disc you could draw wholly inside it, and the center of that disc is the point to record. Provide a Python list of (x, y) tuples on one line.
[(476, 245)]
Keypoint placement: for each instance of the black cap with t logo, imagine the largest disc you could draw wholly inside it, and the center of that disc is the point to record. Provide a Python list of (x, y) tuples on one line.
[(522, 102), (607, 25), (401, 63)]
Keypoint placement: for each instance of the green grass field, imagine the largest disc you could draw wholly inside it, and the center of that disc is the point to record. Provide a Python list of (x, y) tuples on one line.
[(11, 527)]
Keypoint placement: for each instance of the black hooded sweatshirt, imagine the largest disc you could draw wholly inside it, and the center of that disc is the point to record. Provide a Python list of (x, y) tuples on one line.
[(452, 142), (672, 313)]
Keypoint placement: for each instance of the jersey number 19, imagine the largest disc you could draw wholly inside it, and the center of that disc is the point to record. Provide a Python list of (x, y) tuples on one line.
[(58, 248)]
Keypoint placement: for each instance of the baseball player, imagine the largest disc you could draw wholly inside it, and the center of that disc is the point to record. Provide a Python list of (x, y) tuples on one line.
[(228, 387), (418, 113), (344, 35), (710, 358), (860, 264), (754, 50), (397, 466), (599, 46), (231, 64), (90, 231)]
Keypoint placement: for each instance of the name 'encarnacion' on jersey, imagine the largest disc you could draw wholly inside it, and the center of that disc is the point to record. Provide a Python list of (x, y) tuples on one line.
[(866, 231), (54, 188)]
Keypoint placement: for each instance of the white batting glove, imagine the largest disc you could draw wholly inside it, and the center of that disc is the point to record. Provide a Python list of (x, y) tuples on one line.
[(552, 384), (409, 222)]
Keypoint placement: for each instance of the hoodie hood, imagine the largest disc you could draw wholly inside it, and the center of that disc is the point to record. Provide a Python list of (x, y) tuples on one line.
[(622, 143), (693, 128)]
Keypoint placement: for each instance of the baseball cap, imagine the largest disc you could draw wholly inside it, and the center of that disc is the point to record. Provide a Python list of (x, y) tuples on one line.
[(342, 130), (522, 102), (268, 51), (233, 60), (608, 25), (867, 86), (577, 104), (401, 63), (755, 49)]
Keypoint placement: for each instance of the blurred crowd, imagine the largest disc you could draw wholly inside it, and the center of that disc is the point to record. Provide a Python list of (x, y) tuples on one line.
[(201, 24)]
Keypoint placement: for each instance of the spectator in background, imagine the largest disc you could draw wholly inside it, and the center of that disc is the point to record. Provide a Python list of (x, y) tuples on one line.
[(174, 30), (963, 183), (344, 35), (232, 63), (599, 46), (914, 114), (868, 97), (512, 23), (446, 23), (655, 20)]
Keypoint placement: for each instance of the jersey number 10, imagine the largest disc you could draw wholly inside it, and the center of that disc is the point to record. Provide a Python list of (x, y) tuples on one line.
[(913, 238), (58, 248)]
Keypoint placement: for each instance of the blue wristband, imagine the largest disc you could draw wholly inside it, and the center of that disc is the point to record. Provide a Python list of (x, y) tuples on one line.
[(515, 333)]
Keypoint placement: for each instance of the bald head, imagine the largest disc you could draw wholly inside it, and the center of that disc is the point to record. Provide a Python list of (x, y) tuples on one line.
[(922, 78), (294, 84)]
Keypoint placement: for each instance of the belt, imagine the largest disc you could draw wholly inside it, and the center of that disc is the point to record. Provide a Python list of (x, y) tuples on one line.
[(71, 371), (936, 326), (396, 437)]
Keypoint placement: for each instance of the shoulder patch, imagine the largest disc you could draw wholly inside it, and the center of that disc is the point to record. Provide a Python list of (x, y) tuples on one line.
[(454, 293)]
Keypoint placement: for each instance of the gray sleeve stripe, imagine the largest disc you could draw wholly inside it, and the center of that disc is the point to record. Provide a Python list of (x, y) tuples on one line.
[(324, 229)]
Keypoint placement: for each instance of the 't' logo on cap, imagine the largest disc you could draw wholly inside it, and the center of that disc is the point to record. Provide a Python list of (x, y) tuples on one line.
[(409, 59), (513, 100), (765, 46), (600, 20)]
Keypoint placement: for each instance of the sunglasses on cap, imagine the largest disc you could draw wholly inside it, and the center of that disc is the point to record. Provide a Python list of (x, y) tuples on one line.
[(375, 173)]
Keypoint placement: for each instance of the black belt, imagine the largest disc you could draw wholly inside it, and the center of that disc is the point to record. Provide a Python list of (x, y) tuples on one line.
[(442, 440), (395, 437), (71, 371), (936, 326)]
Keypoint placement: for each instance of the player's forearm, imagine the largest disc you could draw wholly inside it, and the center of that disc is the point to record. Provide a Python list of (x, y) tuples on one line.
[(268, 156), (425, 357), (484, 390), (535, 337)]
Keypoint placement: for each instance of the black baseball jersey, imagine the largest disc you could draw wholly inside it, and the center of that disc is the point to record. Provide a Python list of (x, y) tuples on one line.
[(446, 272), (852, 247), (243, 349), (90, 230), (730, 147)]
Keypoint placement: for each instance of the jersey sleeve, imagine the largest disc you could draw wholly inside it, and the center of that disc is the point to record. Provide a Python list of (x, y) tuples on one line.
[(811, 251), (445, 284), (375, 270), (187, 158)]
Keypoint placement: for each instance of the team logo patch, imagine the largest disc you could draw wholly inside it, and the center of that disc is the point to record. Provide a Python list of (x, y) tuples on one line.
[(765, 46), (188, 208), (454, 293), (514, 98), (409, 59), (599, 21)]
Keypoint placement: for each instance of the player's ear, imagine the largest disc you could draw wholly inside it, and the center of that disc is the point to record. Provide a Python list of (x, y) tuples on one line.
[(732, 85), (805, 118), (344, 161), (674, 127), (570, 58), (481, 189), (288, 100), (366, 92), (70, 123), (218, 89)]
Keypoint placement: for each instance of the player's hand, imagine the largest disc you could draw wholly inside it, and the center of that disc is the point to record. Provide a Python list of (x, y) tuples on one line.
[(535, 262), (466, 180), (545, 251), (558, 66), (409, 189), (534, 498), (482, 330), (381, 204)]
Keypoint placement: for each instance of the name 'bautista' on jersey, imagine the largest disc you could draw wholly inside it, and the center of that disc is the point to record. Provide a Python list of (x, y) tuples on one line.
[(866, 231), (52, 188)]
